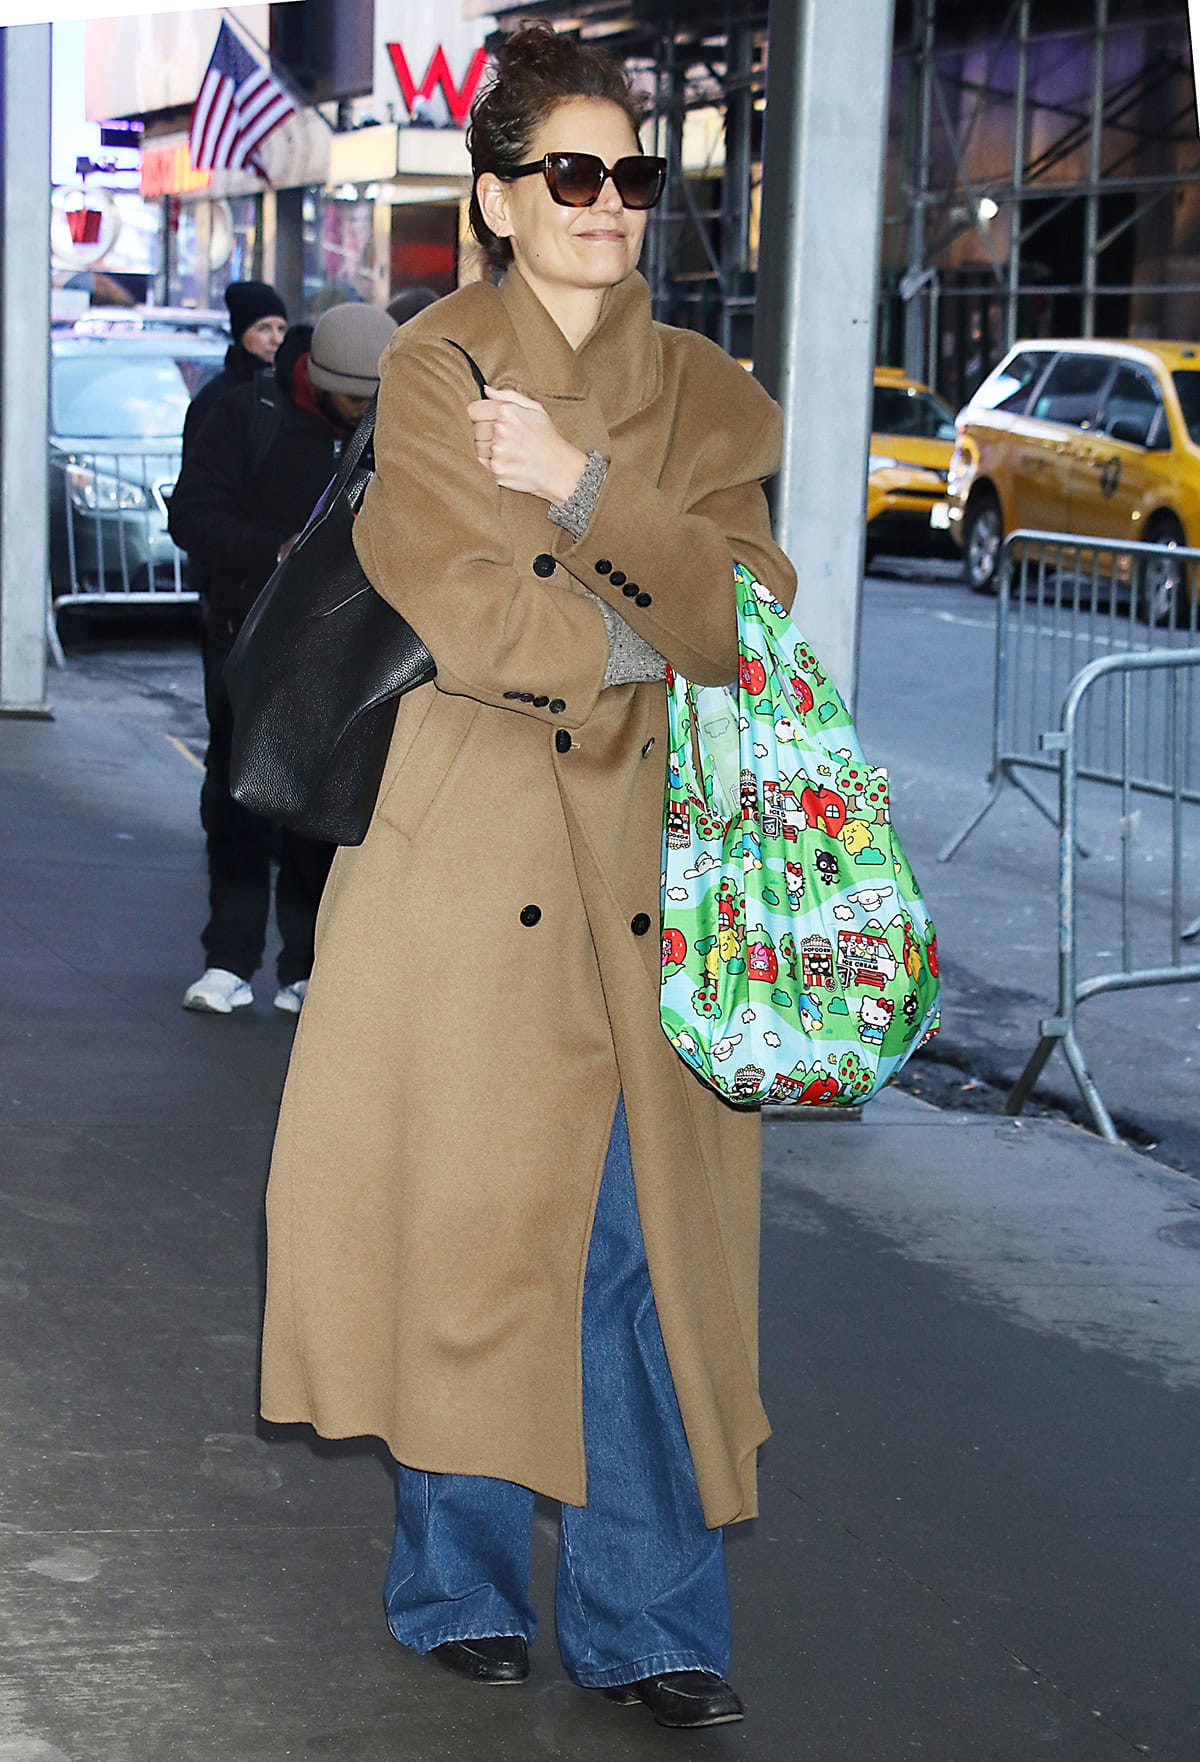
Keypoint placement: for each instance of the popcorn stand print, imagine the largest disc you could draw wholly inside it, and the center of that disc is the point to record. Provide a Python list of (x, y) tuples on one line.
[(799, 964)]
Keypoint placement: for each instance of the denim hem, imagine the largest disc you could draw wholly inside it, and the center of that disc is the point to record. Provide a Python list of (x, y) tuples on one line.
[(427, 1644), (655, 1665)]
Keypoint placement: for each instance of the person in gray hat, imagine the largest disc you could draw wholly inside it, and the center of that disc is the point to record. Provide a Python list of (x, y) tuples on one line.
[(251, 477)]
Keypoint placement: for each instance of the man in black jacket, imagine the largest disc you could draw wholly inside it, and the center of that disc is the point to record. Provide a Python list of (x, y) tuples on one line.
[(251, 476)]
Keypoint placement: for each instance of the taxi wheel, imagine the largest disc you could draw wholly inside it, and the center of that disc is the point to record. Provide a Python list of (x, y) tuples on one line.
[(983, 536), (1161, 593)]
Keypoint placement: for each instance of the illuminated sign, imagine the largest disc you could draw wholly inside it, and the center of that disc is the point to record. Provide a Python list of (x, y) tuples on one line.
[(438, 75), (168, 171)]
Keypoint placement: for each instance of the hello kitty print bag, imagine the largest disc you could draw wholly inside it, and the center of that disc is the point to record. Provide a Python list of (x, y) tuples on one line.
[(799, 964)]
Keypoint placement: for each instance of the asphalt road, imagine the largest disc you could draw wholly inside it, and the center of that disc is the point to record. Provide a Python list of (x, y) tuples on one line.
[(924, 710)]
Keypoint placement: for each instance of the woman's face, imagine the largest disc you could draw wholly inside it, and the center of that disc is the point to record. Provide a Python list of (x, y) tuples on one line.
[(263, 338), (561, 247)]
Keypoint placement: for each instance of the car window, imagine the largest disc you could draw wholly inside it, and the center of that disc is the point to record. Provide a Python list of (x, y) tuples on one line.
[(1187, 387), (106, 395), (1072, 393), (1010, 386), (1134, 401), (902, 409)]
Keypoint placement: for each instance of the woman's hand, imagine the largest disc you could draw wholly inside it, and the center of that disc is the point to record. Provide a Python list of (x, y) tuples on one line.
[(519, 445)]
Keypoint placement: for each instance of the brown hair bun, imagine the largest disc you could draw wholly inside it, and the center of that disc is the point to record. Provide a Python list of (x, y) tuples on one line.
[(534, 70)]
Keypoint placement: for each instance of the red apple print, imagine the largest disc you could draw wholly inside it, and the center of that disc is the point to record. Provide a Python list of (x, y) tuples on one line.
[(753, 675), (824, 809), (674, 947), (804, 696)]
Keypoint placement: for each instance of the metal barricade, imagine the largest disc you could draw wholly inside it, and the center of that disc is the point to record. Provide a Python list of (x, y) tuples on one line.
[(1165, 681), (1064, 602), (109, 542)]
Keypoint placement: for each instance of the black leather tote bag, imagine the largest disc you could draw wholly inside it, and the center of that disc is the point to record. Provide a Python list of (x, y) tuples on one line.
[(317, 671)]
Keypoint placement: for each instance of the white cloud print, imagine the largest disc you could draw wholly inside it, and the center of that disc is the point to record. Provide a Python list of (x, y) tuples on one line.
[(704, 862), (760, 751), (843, 913), (771, 1040), (677, 892)]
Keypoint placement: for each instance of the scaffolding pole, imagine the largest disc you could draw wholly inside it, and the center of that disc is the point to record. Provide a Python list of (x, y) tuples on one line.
[(1091, 254), (917, 275), (828, 78), (24, 365), (1020, 149)]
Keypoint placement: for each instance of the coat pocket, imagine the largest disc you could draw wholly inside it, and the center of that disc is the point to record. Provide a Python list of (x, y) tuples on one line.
[(431, 728)]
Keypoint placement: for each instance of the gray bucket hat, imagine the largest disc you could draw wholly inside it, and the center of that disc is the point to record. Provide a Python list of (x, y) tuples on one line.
[(345, 349)]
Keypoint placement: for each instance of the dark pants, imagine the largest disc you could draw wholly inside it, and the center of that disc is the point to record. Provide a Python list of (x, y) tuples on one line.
[(240, 849)]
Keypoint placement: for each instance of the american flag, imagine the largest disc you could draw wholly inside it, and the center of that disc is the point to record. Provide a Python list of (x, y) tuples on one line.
[(239, 104)]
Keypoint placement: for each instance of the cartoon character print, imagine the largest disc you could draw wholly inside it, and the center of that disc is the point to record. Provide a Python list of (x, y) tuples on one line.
[(674, 947), (914, 964), (816, 964), (793, 877), (874, 1019), (826, 865)]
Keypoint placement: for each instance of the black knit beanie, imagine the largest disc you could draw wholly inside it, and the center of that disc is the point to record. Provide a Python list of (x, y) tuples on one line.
[(248, 301)]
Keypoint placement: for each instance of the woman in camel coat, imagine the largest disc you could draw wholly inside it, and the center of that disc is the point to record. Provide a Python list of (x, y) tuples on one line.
[(482, 1022)]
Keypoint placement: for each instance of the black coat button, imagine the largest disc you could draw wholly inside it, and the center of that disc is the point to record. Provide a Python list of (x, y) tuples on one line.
[(640, 924), (539, 703), (544, 564), (525, 697), (557, 706), (512, 695), (531, 915), (618, 578), (643, 599), (631, 590), (603, 566), (562, 741)]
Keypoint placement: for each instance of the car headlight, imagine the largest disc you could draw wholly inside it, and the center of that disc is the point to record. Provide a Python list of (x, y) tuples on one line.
[(880, 462), (98, 492)]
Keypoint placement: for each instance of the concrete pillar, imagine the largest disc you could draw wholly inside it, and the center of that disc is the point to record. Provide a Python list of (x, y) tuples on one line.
[(828, 74), (288, 238), (24, 364)]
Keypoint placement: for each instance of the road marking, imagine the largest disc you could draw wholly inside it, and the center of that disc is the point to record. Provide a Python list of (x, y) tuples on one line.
[(187, 752), (1079, 635)]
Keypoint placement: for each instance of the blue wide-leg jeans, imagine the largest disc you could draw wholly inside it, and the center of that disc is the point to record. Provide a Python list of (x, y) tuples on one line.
[(641, 1582)]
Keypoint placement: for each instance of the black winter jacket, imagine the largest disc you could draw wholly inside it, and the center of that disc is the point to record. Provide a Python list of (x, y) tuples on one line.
[(240, 367), (235, 524)]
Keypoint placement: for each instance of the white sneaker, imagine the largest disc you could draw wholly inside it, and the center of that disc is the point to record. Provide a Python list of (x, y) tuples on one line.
[(289, 998), (218, 992)]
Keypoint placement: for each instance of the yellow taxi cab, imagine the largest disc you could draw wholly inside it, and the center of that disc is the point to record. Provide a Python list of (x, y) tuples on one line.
[(912, 439), (1096, 438)]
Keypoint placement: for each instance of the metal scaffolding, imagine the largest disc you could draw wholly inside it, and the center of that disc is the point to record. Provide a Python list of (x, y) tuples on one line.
[(1037, 154), (1042, 157)]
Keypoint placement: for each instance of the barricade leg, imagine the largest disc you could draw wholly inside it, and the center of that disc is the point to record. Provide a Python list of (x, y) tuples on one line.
[(1058, 1031)]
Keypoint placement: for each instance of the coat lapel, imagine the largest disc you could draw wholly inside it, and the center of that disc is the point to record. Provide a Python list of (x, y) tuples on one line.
[(596, 387)]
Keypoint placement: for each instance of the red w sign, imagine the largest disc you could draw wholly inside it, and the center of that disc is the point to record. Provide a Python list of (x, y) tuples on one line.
[(438, 74)]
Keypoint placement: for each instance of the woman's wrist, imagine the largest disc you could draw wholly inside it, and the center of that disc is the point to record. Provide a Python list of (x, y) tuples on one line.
[(568, 478), (574, 514)]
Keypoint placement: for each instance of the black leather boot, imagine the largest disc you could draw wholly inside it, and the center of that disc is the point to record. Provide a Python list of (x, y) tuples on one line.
[(492, 1661), (683, 1699)]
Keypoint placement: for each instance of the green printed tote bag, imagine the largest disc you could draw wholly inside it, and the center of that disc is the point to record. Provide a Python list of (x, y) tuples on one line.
[(799, 964)]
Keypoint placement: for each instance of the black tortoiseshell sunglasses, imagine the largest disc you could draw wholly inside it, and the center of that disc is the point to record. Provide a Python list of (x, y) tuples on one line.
[(575, 180)]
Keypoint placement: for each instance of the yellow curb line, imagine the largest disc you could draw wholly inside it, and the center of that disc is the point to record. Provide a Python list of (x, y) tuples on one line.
[(187, 752)]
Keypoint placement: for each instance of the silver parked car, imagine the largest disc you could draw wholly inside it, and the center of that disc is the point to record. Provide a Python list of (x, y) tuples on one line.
[(117, 404)]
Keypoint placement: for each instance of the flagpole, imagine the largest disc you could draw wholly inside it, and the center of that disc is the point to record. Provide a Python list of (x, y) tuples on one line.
[(301, 100)]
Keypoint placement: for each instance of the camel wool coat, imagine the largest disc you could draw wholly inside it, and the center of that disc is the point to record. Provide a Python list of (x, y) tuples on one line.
[(488, 960)]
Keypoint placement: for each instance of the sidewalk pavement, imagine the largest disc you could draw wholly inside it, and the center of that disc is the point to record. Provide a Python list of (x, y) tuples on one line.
[(979, 1539)]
